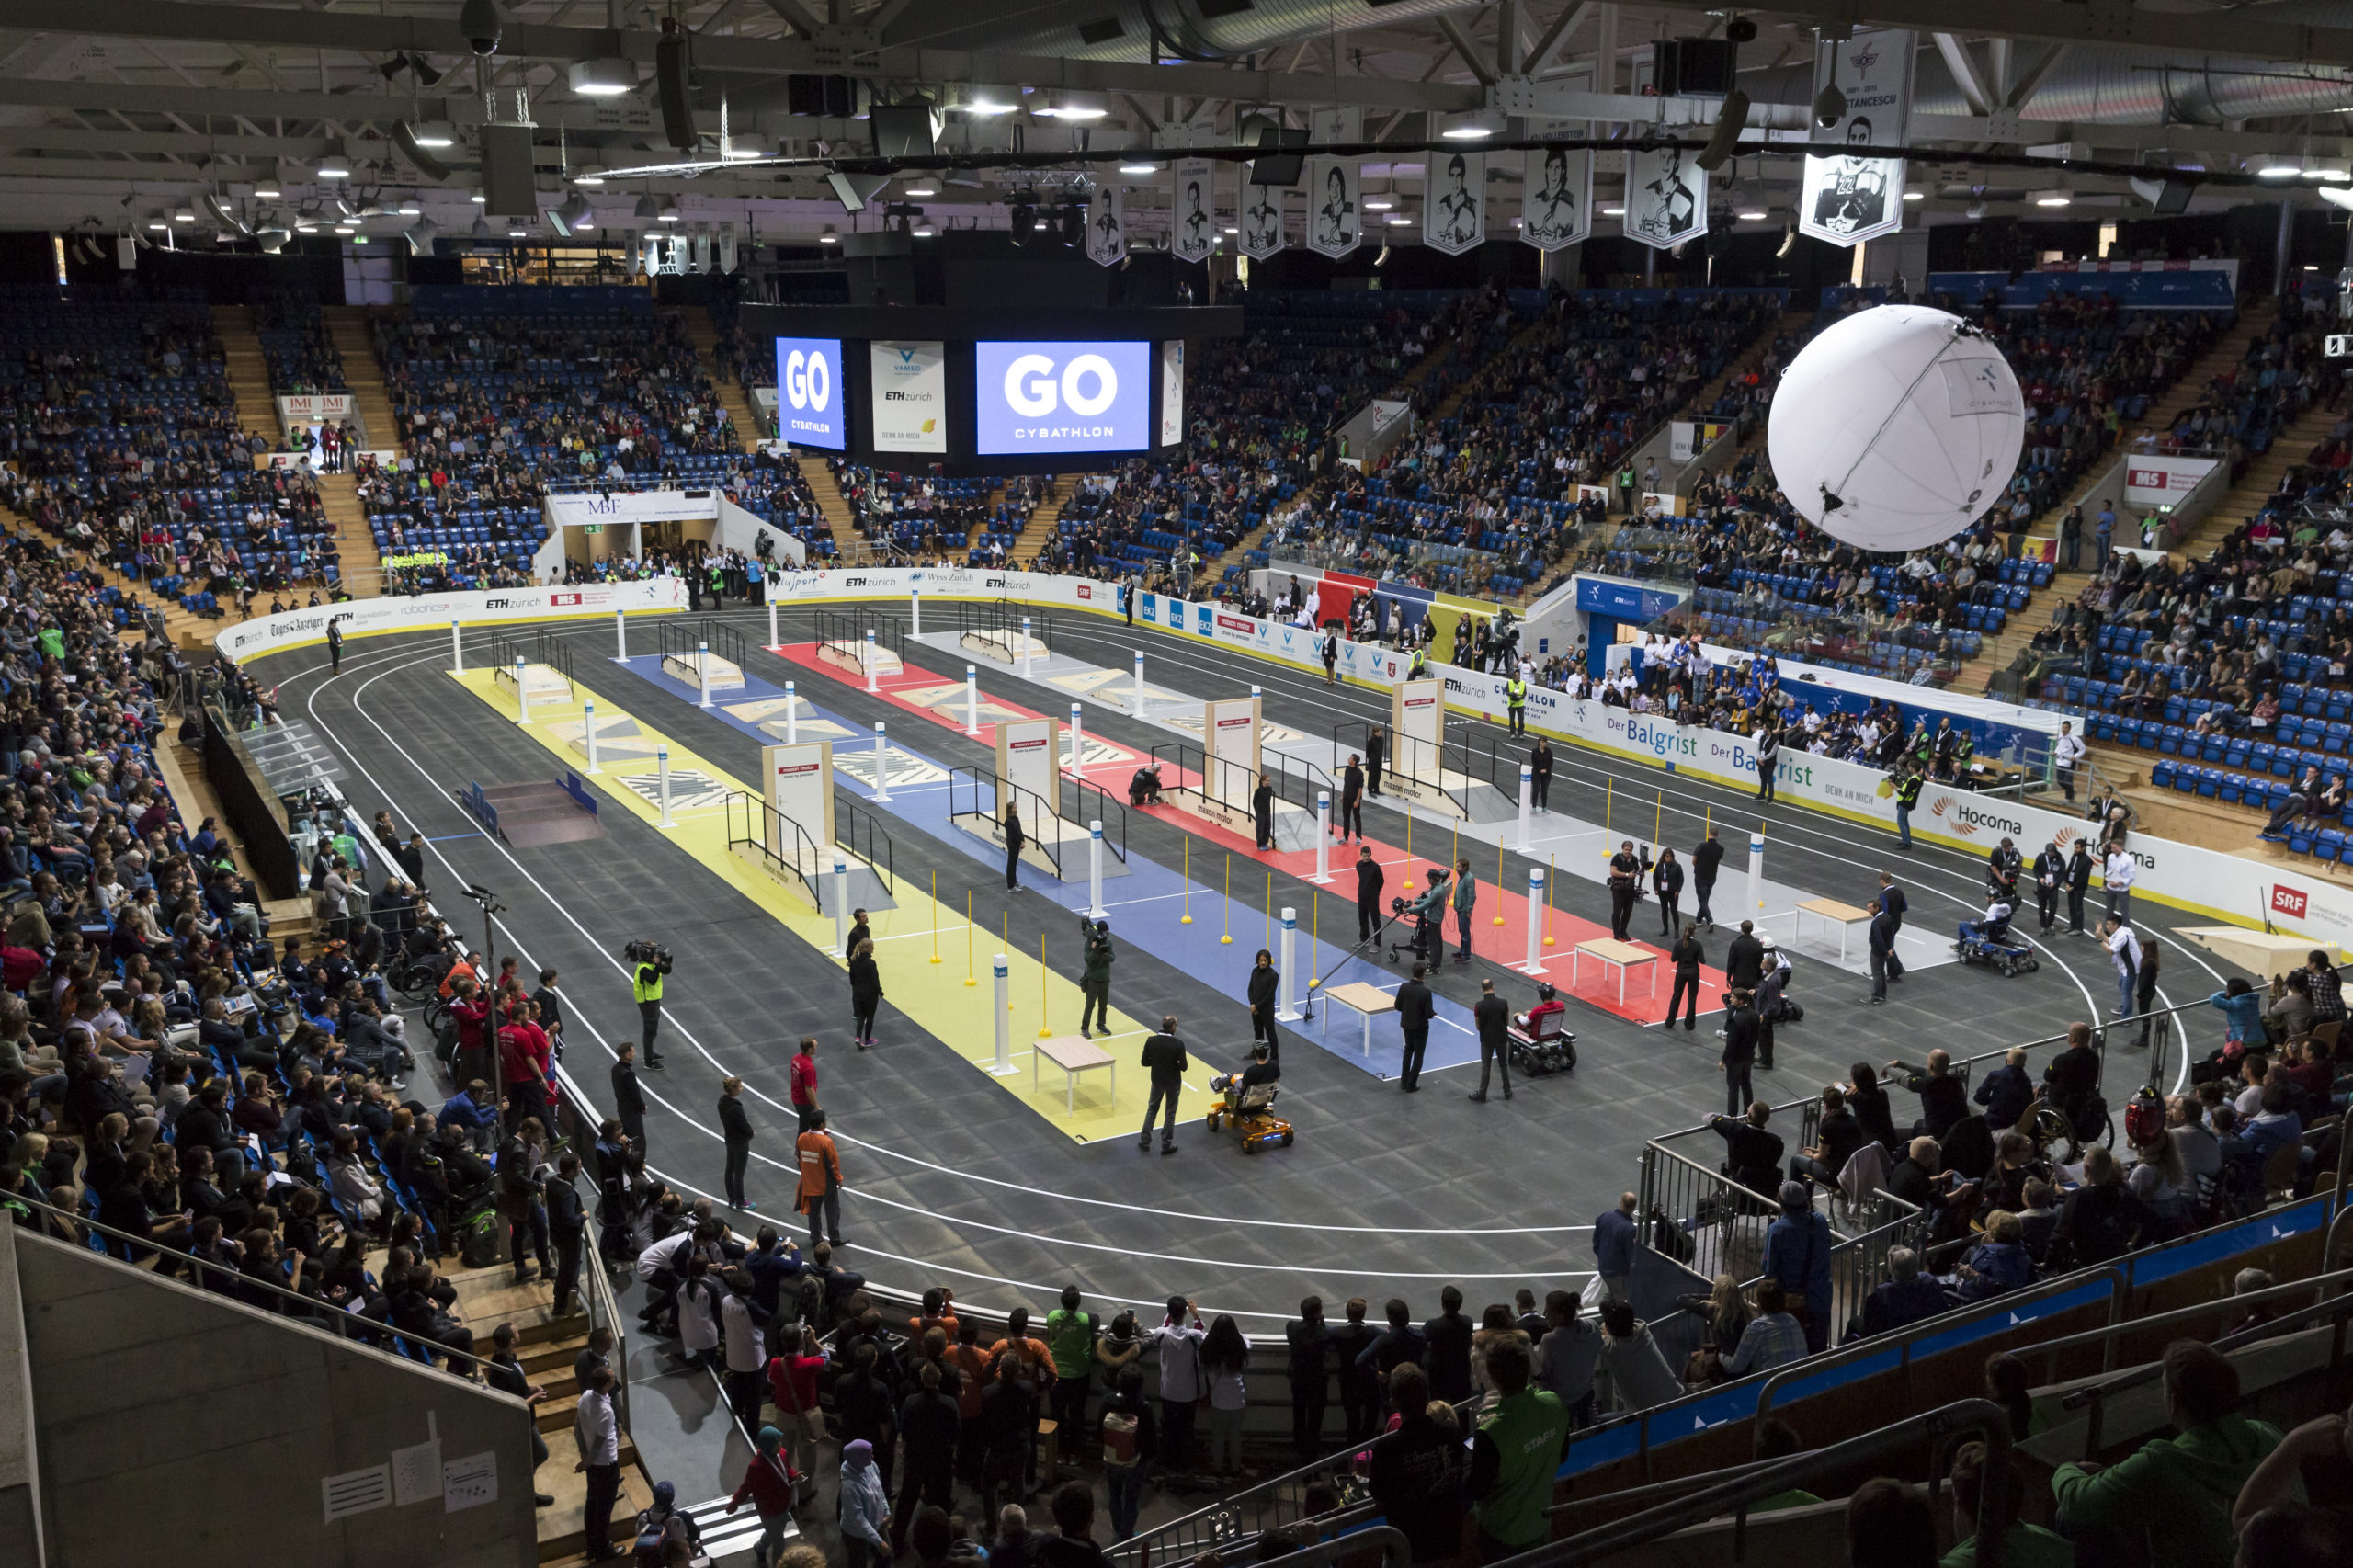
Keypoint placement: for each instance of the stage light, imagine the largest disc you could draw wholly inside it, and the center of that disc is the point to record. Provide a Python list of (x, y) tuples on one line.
[(603, 78), (1073, 224)]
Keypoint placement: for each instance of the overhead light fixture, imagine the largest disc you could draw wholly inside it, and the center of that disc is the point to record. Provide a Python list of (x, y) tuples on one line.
[(647, 208), (410, 206), (1378, 204), (482, 229), (412, 145), (2278, 171), (602, 78), (1752, 216), (1062, 103), (335, 166), (571, 215), (1915, 196), (518, 230), (476, 197), (1383, 259), (1399, 219), (987, 103), (156, 219), (272, 238), (183, 214), (2337, 196), (588, 174), (922, 189), (268, 189), (2055, 199), (854, 191), (829, 236), (742, 148), (1613, 211), (1138, 169), (923, 228), (1230, 229), (669, 213), (1475, 126), (420, 236), (434, 133)]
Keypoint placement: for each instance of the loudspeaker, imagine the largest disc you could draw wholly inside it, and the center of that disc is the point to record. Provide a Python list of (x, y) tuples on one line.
[(1729, 122), (902, 130), (1282, 168), (2165, 197), (854, 191), (671, 65), (509, 187), (825, 97), (1693, 67)]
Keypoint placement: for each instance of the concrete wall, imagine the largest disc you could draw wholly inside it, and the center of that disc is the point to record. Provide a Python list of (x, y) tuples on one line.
[(20, 1523), (167, 1416)]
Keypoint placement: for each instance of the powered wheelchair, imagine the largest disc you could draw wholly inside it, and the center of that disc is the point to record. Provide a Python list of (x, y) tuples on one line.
[(1250, 1113), (1540, 1044), (1987, 940)]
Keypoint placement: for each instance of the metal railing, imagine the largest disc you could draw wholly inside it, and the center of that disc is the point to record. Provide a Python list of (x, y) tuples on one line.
[(1078, 802), (597, 1291), (680, 638), (995, 624), (1733, 1492), (775, 842), (857, 830), (294, 1305), (1230, 784), (1398, 763), (842, 632)]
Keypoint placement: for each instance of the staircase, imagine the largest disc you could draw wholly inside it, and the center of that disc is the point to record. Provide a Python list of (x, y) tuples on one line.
[(248, 373), (189, 633), (347, 328), (363, 565), (835, 508), (1044, 523), (1455, 399), (2259, 480), (732, 397)]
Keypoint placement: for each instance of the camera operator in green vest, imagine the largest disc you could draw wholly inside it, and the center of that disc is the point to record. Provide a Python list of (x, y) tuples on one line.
[(649, 964), (1907, 800), (1516, 701), (1517, 1449)]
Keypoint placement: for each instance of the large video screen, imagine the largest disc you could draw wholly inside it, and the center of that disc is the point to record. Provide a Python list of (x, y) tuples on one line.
[(1062, 397), (809, 401)]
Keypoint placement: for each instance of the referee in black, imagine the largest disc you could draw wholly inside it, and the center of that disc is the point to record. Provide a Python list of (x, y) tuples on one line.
[(1352, 800), (1369, 884), (1625, 886)]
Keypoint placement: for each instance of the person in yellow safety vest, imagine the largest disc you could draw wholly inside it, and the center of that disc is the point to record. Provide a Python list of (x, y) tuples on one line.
[(649, 962), (1420, 666), (1515, 699)]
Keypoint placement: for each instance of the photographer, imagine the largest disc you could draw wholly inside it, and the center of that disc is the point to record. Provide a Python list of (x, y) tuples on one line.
[(1095, 978), (649, 963)]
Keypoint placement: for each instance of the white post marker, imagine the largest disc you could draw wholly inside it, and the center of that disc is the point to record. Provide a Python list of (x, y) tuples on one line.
[(702, 670), (588, 731), (1757, 869), (772, 642), (1077, 738), (792, 716), (1285, 1008), (1025, 648), (1095, 869), (620, 636), (662, 777), (1323, 838), (1003, 973), (1526, 802), (1139, 683), (882, 764), (915, 610), (522, 691), (456, 651), (841, 905), (972, 699), (870, 658), (1535, 964)]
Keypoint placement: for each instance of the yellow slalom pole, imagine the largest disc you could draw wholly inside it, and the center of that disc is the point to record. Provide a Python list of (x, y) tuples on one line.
[(1499, 884), (1227, 921), (968, 940), (1314, 929), (1409, 851), (1043, 1032), (1187, 917), (935, 917), (1552, 873)]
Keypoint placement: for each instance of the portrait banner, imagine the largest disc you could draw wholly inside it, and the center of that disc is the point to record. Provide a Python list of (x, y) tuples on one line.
[(1106, 228), (1556, 196), (1454, 201), (1335, 205), (1666, 198), (1261, 209), (1192, 209)]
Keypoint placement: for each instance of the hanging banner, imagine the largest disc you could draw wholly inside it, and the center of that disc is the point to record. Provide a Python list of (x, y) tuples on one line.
[(1107, 229), (1335, 205), (1556, 196), (1847, 199), (1261, 206), (1171, 391), (908, 409), (1192, 209), (727, 248), (1454, 202), (1666, 198)]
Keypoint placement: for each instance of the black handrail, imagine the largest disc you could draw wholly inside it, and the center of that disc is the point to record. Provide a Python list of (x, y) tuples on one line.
[(1032, 806), (1094, 803), (1390, 761), (857, 830), (758, 818)]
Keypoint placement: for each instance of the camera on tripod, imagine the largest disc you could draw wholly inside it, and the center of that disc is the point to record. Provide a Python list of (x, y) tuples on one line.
[(642, 951)]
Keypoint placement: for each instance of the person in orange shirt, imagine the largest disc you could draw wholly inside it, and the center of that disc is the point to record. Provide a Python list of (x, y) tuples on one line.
[(971, 1364), (821, 1182), (936, 1314), (1038, 1365)]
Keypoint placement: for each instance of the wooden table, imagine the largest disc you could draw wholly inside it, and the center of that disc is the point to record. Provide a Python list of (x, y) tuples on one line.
[(1831, 913), (1073, 1056), (1611, 953), (1366, 998)]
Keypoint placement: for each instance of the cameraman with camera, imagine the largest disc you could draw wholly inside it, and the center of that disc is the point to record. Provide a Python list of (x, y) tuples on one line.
[(649, 963)]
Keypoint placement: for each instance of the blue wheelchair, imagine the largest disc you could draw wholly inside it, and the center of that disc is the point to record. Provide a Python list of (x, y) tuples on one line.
[(1987, 941)]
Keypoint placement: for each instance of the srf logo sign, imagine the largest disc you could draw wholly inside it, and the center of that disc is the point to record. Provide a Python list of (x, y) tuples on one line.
[(2289, 901)]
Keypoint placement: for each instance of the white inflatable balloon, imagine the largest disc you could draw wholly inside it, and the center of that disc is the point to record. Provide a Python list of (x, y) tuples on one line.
[(1896, 428)]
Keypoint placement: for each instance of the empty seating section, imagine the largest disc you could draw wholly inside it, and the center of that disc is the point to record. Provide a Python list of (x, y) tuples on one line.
[(118, 419)]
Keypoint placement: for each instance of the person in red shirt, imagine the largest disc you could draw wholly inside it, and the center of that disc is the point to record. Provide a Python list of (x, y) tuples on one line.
[(470, 1009), (773, 1486), (526, 1062), (804, 1082), (792, 1385)]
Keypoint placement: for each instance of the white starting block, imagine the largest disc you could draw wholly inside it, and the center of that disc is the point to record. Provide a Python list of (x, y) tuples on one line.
[(853, 658), (689, 669), (541, 683), (1006, 644)]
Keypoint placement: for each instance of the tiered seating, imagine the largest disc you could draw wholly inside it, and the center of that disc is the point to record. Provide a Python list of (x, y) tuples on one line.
[(300, 354)]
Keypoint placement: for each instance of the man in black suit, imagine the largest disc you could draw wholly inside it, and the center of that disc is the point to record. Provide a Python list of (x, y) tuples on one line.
[(1739, 1052), (1370, 881), (1494, 1020), (1415, 1011), (1262, 812), (628, 1101), (1944, 1098), (567, 1228), (1163, 1058), (1352, 800), (1882, 949), (1309, 1344), (1704, 861), (1895, 907), (1752, 1155), (1376, 750)]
